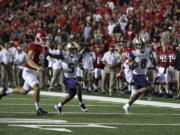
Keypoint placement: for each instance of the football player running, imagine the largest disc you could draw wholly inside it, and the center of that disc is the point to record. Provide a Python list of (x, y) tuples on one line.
[(137, 63), (35, 63), (71, 59)]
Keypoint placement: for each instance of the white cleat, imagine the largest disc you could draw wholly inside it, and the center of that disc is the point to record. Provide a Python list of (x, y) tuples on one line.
[(126, 108)]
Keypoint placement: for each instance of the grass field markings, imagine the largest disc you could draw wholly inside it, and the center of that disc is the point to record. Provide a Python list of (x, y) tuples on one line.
[(38, 127), (94, 113), (49, 124), (40, 121)]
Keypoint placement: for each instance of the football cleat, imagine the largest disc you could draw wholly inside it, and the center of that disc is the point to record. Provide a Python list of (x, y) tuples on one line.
[(3, 92), (126, 108), (59, 109), (40, 111), (83, 108)]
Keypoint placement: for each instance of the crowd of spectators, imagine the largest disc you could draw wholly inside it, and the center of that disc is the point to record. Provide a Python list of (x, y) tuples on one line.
[(90, 22)]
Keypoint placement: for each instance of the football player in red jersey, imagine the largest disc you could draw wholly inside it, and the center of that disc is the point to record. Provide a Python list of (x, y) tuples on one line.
[(35, 63), (166, 60)]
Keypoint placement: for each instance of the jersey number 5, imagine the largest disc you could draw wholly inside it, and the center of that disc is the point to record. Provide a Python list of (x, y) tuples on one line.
[(71, 67)]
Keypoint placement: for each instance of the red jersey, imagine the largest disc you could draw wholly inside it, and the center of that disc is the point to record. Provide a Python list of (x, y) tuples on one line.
[(167, 58), (171, 57), (39, 57), (98, 63), (163, 58)]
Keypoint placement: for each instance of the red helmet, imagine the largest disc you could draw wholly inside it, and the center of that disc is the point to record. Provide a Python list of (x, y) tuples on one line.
[(41, 38)]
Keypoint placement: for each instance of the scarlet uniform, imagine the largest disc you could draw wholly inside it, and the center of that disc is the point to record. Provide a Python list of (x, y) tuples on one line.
[(39, 57), (166, 66), (171, 57), (163, 58)]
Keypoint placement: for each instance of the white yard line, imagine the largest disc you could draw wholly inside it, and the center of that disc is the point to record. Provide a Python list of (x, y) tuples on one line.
[(114, 100)]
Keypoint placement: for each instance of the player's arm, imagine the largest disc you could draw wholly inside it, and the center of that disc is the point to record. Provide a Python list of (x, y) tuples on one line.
[(131, 62), (30, 57), (56, 56)]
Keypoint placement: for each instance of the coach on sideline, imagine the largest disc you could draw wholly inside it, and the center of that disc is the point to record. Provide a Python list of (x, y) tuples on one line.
[(177, 67), (111, 60)]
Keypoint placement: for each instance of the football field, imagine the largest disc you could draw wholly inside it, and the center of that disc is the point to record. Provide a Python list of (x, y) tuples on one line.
[(17, 117)]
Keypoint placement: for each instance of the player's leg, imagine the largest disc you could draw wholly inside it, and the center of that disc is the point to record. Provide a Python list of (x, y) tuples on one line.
[(79, 94), (71, 87), (141, 85), (31, 80)]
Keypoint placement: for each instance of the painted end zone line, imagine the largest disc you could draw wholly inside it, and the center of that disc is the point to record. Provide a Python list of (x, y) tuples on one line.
[(115, 100)]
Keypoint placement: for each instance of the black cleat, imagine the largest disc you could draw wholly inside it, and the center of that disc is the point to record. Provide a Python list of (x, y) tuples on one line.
[(3, 92), (41, 112), (83, 108), (59, 109)]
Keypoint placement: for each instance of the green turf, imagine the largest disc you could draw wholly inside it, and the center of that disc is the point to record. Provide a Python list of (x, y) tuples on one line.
[(100, 113)]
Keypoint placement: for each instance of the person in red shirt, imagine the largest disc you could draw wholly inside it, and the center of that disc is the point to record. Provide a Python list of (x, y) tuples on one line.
[(35, 63), (130, 33)]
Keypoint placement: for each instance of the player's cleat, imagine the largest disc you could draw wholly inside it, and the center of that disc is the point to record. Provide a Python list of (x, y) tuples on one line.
[(40, 111), (83, 108), (126, 108), (59, 109), (3, 92)]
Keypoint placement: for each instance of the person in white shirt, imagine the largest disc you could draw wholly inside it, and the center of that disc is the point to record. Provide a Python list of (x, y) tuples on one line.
[(6, 62), (87, 60), (19, 61), (111, 60), (45, 75), (57, 71)]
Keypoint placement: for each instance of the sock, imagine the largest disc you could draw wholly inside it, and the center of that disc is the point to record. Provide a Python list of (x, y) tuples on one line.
[(170, 92), (9, 91), (37, 105), (80, 103), (129, 87), (156, 88), (161, 91), (59, 105), (133, 98), (167, 91), (95, 87)]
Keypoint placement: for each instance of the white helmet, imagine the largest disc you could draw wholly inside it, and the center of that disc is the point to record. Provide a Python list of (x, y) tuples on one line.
[(139, 43), (71, 48)]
